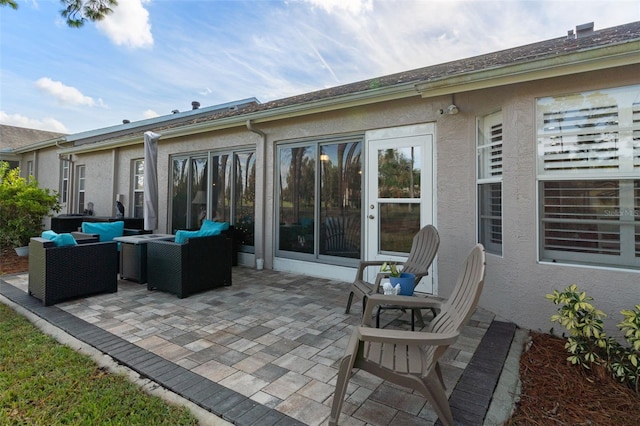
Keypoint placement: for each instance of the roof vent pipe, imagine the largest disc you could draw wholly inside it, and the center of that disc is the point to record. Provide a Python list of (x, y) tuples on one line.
[(175, 111), (195, 105), (125, 121)]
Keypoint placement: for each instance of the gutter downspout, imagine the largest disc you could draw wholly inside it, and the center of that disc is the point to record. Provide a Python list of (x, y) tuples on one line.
[(264, 187)]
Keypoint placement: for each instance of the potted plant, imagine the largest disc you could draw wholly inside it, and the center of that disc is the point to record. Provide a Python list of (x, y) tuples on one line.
[(23, 204), (405, 279)]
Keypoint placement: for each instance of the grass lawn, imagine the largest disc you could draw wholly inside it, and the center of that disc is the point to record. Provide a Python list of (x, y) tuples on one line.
[(45, 383)]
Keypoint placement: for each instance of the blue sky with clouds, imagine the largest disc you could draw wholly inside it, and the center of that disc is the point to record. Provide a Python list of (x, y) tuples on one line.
[(153, 56)]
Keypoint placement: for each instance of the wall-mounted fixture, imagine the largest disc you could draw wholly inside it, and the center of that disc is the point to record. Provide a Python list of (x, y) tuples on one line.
[(450, 110)]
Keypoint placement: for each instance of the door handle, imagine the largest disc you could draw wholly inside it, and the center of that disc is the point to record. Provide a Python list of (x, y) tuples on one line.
[(371, 216)]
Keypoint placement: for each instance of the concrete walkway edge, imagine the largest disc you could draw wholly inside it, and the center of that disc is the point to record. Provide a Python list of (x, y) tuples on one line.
[(507, 392)]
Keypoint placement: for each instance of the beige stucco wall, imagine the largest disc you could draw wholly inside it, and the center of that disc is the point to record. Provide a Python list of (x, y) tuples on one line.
[(99, 184), (46, 168), (516, 282)]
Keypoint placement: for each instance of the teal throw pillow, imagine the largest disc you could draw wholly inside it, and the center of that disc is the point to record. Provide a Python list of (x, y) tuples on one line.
[(60, 240), (106, 230), (182, 236), (211, 225), (49, 235)]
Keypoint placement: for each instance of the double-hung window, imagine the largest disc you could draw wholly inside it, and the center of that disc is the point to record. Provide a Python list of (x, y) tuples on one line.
[(64, 181), (489, 181), (138, 188), (589, 177), (81, 171)]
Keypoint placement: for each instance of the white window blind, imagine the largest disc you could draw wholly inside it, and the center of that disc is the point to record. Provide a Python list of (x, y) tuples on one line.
[(588, 170), (636, 135), (489, 152), (490, 147), (581, 139)]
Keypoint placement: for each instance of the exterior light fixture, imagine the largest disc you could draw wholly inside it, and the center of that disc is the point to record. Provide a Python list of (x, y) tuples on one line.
[(450, 110)]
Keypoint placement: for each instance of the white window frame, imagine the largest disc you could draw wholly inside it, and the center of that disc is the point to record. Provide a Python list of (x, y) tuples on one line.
[(489, 146), (81, 171), (30, 169), (588, 174), (65, 171), (137, 186)]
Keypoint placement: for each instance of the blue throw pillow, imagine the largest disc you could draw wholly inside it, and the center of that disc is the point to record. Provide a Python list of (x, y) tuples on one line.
[(182, 236), (211, 225), (49, 235), (106, 230), (60, 240)]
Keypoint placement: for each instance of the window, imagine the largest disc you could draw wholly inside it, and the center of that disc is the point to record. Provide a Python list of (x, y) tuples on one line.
[(64, 181), (588, 169), (216, 186), (489, 151), (138, 188), (81, 188), (244, 196), (29, 169), (319, 200)]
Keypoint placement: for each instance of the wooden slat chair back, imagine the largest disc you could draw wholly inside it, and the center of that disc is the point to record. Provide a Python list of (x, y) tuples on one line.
[(408, 358), (423, 250)]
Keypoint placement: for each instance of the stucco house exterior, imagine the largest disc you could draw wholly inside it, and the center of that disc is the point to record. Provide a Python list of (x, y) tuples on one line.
[(533, 151)]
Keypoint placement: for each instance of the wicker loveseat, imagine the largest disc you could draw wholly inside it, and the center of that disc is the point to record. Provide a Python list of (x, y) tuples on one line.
[(61, 273), (198, 264)]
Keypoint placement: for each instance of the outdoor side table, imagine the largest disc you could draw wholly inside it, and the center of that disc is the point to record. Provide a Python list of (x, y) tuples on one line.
[(398, 307), (133, 255)]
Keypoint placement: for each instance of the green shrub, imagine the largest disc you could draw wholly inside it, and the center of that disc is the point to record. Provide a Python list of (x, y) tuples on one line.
[(22, 206), (589, 345)]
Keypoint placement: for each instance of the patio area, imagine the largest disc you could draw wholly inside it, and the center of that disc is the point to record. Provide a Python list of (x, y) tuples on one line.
[(265, 350)]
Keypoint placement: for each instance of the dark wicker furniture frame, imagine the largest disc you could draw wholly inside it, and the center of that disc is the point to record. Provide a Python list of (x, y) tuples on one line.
[(199, 264), (60, 273)]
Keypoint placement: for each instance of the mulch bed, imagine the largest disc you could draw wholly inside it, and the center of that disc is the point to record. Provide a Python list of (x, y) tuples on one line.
[(554, 392), (11, 263)]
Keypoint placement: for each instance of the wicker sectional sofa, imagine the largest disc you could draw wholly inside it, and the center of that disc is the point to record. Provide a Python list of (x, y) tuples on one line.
[(60, 273)]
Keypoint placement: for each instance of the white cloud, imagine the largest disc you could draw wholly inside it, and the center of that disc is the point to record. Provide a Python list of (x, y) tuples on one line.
[(128, 25), (49, 124), (150, 114), (352, 6), (66, 95)]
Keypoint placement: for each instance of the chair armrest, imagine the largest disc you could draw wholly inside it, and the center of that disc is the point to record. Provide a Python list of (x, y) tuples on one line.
[(79, 235), (83, 238), (401, 337), (41, 243)]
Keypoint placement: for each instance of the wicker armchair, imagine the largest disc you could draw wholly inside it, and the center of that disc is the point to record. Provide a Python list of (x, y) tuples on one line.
[(201, 263), (60, 273)]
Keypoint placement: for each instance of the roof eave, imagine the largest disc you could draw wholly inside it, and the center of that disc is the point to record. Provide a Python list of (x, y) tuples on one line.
[(573, 63), (40, 145), (290, 111), (577, 62)]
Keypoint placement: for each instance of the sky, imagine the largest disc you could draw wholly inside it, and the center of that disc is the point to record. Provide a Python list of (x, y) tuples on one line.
[(153, 56)]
